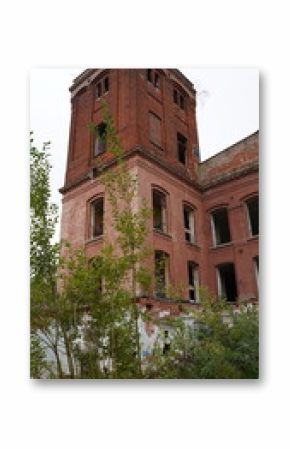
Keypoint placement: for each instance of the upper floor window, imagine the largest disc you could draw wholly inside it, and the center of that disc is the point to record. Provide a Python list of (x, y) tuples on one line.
[(178, 98), (188, 218), (155, 128), (100, 139), (161, 273), (193, 281), (102, 87), (153, 77), (220, 226), (97, 217), (159, 211), (181, 148), (253, 214)]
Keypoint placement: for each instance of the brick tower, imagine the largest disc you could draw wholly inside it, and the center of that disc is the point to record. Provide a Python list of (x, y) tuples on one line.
[(205, 214)]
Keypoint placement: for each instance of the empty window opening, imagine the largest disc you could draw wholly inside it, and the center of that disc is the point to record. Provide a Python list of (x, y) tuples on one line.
[(227, 286), (153, 77), (159, 211), (155, 129), (178, 98), (181, 102), (106, 84), (175, 96), (221, 229), (181, 148), (161, 273), (99, 90), (100, 139), (102, 87), (193, 282), (98, 217), (188, 217), (253, 214)]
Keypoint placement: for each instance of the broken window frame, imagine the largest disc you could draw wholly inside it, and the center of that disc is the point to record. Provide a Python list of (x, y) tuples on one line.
[(100, 144), (181, 146), (161, 273), (162, 226), (216, 236), (102, 87), (222, 289), (252, 221), (189, 231), (153, 78), (97, 229), (178, 98), (193, 282)]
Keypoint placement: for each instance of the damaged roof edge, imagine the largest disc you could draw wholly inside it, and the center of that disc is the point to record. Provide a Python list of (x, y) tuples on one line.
[(87, 72), (244, 139)]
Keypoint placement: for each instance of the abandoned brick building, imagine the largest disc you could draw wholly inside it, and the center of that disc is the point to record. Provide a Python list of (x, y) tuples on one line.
[(205, 223)]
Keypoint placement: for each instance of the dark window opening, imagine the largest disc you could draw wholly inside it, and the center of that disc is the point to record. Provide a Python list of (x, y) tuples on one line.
[(253, 213), (102, 87), (153, 77), (178, 98), (227, 282), (181, 102), (100, 139), (106, 84), (181, 148), (99, 90), (149, 75), (98, 217), (188, 217), (175, 96), (161, 273), (159, 211), (156, 80), (221, 226), (192, 270)]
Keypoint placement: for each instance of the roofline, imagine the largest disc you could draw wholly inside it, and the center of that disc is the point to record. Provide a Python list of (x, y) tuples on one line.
[(87, 72), (230, 147)]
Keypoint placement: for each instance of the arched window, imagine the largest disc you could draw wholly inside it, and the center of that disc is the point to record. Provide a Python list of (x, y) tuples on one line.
[(220, 226), (227, 285), (100, 139), (159, 211), (189, 228), (97, 217), (253, 215)]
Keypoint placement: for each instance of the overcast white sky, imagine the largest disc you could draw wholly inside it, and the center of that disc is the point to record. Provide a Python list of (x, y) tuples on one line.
[(227, 110)]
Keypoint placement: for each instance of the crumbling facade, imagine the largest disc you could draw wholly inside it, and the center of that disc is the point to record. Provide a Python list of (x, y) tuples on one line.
[(205, 223)]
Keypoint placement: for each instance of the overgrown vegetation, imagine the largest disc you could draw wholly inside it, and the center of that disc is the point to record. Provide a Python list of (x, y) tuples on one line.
[(85, 317)]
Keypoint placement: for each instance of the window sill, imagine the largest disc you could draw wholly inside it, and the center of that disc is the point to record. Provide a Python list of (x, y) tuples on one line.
[(194, 244), (253, 237), (100, 238), (162, 233), (222, 245)]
